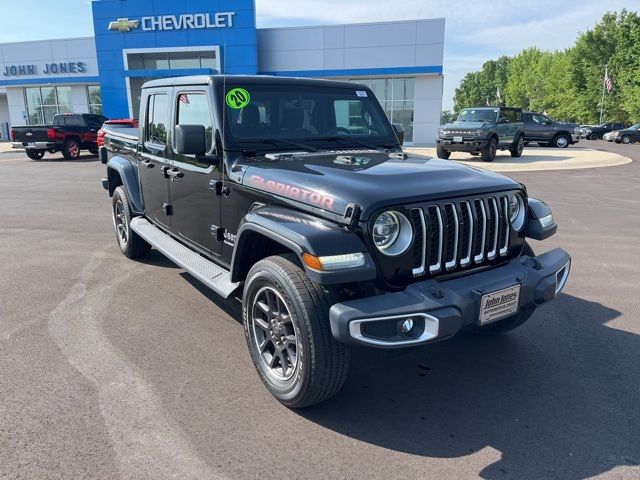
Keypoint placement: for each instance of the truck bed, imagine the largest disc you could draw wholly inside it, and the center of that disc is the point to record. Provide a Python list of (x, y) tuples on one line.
[(30, 133)]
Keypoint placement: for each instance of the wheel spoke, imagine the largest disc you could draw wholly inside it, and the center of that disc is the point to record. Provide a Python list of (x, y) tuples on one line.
[(272, 361), (284, 363), (262, 324), (290, 340), (263, 344), (264, 307)]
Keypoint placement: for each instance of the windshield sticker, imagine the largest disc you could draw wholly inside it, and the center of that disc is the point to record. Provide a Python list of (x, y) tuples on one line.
[(238, 98), (361, 93)]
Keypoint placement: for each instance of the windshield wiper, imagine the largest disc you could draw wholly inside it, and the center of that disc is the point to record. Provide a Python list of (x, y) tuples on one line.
[(274, 141), (351, 139)]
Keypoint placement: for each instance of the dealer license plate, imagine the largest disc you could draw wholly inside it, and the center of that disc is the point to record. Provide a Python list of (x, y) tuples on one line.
[(500, 304), (457, 139)]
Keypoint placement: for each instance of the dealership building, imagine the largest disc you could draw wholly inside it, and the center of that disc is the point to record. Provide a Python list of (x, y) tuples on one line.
[(139, 40)]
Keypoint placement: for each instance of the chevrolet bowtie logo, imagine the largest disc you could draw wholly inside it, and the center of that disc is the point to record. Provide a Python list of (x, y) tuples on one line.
[(124, 25)]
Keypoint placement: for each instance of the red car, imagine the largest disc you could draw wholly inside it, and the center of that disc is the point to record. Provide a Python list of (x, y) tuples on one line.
[(123, 122)]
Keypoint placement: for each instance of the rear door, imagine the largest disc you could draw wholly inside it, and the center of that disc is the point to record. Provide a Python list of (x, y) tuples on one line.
[(153, 157), (535, 128), (196, 205)]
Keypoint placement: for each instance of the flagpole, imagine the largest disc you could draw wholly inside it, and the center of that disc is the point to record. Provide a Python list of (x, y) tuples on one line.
[(604, 80)]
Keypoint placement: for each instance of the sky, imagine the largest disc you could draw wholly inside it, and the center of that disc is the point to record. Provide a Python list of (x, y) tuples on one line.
[(476, 30)]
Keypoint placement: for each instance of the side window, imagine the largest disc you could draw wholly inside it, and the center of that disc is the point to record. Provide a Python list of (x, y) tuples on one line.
[(518, 115), (528, 118), (73, 121), (510, 115), (194, 109), (157, 119)]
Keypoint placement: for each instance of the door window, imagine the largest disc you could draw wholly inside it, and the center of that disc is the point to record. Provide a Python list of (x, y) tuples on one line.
[(194, 109), (157, 119)]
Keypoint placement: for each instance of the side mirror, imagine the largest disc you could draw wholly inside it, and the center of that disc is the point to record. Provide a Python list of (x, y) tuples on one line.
[(191, 140), (399, 129), (502, 120)]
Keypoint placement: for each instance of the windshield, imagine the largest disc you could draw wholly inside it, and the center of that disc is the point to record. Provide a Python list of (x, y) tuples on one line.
[(305, 117), (478, 115), (635, 127)]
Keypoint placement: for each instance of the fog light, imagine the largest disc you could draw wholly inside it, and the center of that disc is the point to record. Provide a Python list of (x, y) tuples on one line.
[(407, 325)]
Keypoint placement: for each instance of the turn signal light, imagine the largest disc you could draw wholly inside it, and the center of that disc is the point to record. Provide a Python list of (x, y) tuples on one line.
[(333, 262)]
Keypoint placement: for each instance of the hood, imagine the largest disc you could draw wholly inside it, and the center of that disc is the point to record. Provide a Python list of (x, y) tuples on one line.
[(332, 181), (463, 125)]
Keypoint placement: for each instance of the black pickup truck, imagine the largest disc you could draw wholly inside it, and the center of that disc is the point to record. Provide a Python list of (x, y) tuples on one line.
[(70, 133), (296, 195)]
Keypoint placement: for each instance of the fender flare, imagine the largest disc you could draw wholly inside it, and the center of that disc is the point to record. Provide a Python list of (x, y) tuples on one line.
[(302, 233), (129, 178)]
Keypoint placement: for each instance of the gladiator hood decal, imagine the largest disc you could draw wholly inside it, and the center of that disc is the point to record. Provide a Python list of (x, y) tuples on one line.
[(331, 181)]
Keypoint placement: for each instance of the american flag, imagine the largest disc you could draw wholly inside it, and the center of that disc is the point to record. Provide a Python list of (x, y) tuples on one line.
[(608, 83)]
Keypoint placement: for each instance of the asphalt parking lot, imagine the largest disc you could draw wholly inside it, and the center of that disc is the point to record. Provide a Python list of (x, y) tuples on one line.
[(111, 368)]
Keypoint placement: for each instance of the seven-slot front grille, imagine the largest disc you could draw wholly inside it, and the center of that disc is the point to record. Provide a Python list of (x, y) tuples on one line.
[(459, 234)]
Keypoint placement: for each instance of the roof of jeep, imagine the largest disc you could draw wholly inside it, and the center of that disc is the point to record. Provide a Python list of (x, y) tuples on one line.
[(218, 80), (492, 108)]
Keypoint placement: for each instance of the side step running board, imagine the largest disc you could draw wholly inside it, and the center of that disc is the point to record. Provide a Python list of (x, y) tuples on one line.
[(212, 275)]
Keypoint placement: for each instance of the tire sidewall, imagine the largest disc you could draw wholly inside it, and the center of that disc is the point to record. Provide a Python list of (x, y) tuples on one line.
[(120, 196), (626, 140), (264, 275)]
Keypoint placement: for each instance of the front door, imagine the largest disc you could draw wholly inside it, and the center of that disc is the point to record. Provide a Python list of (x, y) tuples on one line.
[(196, 205), (153, 159)]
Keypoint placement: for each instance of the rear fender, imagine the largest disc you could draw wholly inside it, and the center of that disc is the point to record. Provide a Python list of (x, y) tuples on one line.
[(121, 171)]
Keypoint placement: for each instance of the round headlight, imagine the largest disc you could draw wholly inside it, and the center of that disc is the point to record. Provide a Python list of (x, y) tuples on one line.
[(516, 211), (392, 233), (480, 132)]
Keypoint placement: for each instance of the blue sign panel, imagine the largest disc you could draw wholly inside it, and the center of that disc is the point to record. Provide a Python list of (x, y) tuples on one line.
[(143, 27)]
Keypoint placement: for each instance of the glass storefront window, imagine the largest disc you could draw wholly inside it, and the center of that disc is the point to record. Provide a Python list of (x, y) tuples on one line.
[(396, 97), (95, 99), (43, 103)]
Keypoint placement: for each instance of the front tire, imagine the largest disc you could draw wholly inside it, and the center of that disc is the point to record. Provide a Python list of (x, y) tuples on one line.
[(625, 139), (507, 324), (286, 324), (71, 149), (517, 149), (35, 154), (594, 136), (489, 153), (442, 153), (130, 243), (561, 141)]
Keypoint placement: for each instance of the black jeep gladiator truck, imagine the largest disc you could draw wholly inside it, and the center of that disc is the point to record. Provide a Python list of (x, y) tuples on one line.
[(69, 133), (482, 131), (259, 188)]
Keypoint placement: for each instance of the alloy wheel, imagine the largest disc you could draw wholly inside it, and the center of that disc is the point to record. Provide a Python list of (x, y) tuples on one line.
[(274, 334), (120, 221)]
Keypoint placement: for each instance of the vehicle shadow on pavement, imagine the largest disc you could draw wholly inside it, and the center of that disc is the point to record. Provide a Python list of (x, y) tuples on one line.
[(81, 159), (551, 406)]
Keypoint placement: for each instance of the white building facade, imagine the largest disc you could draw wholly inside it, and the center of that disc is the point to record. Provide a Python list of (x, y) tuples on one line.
[(137, 40)]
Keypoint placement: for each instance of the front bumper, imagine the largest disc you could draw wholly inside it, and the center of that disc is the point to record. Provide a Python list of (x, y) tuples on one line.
[(33, 145), (467, 144), (575, 138), (441, 309)]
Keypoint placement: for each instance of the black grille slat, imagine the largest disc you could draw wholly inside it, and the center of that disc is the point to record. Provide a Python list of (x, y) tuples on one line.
[(418, 238), (491, 228), (450, 233)]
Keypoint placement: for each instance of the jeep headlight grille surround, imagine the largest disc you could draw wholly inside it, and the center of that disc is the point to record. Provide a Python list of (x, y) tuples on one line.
[(516, 211), (392, 233)]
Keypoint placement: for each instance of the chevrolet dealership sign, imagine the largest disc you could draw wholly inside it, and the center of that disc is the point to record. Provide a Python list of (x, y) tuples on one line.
[(187, 21)]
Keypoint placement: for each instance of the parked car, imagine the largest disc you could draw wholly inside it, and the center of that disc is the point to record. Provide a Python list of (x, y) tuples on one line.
[(546, 132), (258, 187), (70, 133), (628, 135), (482, 131), (116, 123), (597, 132)]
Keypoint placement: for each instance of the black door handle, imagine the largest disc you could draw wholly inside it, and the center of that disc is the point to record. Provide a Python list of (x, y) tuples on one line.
[(173, 173), (147, 163)]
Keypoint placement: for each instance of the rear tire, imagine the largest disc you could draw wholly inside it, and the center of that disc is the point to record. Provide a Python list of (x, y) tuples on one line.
[(130, 243), (286, 324), (594, 136), (35, 154), (71, 149), (489, 153), (507, 324), (516, 150), (561, 141), (442, 153)]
